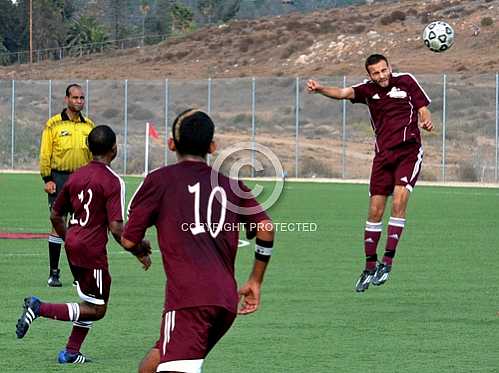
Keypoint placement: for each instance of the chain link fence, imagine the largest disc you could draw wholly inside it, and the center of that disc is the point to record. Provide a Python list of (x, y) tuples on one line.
[(314, 137), (60, 53)]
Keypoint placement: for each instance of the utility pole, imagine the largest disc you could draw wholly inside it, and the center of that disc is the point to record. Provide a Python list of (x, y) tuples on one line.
[(30, 31)]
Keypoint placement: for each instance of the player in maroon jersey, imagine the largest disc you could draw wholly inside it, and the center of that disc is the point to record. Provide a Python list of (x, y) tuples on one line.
[(197, 212), (94, 197), (396, 104)]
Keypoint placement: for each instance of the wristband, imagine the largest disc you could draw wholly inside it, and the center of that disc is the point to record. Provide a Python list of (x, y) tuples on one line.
[(263, 250)]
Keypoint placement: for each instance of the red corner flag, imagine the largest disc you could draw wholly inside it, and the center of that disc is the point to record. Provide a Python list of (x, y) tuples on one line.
[(153, 132)]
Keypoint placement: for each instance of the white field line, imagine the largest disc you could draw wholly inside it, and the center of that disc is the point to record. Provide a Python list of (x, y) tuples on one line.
[(242, 243), (451, 184)]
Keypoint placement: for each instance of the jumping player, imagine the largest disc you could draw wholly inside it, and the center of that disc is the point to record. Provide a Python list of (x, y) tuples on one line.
[(396, 103)]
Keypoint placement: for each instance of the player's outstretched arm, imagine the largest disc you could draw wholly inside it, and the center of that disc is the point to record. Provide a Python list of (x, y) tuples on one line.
[(250, 291), (337, 93), (425, 118)]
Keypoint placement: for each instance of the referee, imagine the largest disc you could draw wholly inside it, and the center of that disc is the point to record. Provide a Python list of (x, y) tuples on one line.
[(63, 149)]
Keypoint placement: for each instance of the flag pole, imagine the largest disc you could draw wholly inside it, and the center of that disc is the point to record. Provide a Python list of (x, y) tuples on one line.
[(146, 157)]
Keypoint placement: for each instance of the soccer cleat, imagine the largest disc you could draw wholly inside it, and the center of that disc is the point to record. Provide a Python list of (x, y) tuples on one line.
[(382, 274), (364, 281), (66, 357), (31, 310), (53, 280)]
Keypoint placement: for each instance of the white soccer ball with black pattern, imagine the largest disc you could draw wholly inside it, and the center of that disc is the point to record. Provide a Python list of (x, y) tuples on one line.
[(438, 36)]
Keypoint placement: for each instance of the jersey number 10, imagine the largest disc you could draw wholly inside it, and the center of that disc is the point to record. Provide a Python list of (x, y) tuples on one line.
[(198, 227)]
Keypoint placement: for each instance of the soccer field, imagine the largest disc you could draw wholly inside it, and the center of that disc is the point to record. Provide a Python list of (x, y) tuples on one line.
[(437, 313)]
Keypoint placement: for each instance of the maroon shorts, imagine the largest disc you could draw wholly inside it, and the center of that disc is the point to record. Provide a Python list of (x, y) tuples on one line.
[(93, 285), (188, 335), (397, 166)]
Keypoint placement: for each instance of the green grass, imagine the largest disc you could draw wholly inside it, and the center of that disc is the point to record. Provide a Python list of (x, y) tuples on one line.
[(436, 314)]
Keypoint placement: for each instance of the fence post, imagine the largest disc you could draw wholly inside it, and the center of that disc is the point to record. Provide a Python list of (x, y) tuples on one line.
[(253, 124), (444, 123), (343, 132), (13, 123), (297, 125), (50, 98), (87, 98), (497, 123), (125, 134), (166, 122)]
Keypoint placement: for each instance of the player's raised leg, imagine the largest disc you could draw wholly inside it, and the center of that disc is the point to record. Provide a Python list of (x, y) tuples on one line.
[(372, 234)]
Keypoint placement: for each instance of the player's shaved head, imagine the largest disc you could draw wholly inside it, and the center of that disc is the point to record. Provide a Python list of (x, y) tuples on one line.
[(101, 140), (193, 132)]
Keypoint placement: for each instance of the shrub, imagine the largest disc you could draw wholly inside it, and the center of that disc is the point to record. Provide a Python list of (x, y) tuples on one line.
[(487, 21), (412, 12), (395, 16), (358, 28), (289, 50)]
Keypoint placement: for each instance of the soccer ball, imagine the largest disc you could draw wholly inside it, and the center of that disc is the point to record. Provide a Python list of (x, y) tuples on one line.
[(438, 36)]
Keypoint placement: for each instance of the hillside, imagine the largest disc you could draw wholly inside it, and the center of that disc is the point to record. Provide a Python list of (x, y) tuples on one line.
[(328, 42)]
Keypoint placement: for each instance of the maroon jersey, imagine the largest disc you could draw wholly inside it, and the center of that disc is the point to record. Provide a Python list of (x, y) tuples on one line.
[(197, 227), (393, 109), (94, 196)]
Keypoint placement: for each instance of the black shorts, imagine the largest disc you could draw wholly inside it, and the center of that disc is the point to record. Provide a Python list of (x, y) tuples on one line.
[(59, 178)]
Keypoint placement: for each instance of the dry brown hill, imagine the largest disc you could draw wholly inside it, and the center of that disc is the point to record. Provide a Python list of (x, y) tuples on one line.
[(329, 42)]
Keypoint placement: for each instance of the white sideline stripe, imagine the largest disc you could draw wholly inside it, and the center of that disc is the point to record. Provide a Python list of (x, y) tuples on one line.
[(242, 243), (186, 366), (321, 180)]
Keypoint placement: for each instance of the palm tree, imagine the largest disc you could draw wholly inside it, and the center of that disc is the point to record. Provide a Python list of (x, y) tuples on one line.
[(86, 35)]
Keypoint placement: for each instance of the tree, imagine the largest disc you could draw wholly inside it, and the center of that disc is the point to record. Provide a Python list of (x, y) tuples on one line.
[(208, 8), (182, 18), (86, 35), (5, 57), (49, 26), (119, 12), (11, 27)]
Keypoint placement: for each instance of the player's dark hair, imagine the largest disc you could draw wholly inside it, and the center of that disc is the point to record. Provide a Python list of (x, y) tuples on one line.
[(101, 140), (68, 89), (192, 132), (373, 59)]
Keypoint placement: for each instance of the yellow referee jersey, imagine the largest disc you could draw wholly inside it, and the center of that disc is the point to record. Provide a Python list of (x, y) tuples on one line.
[(64, 144)]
